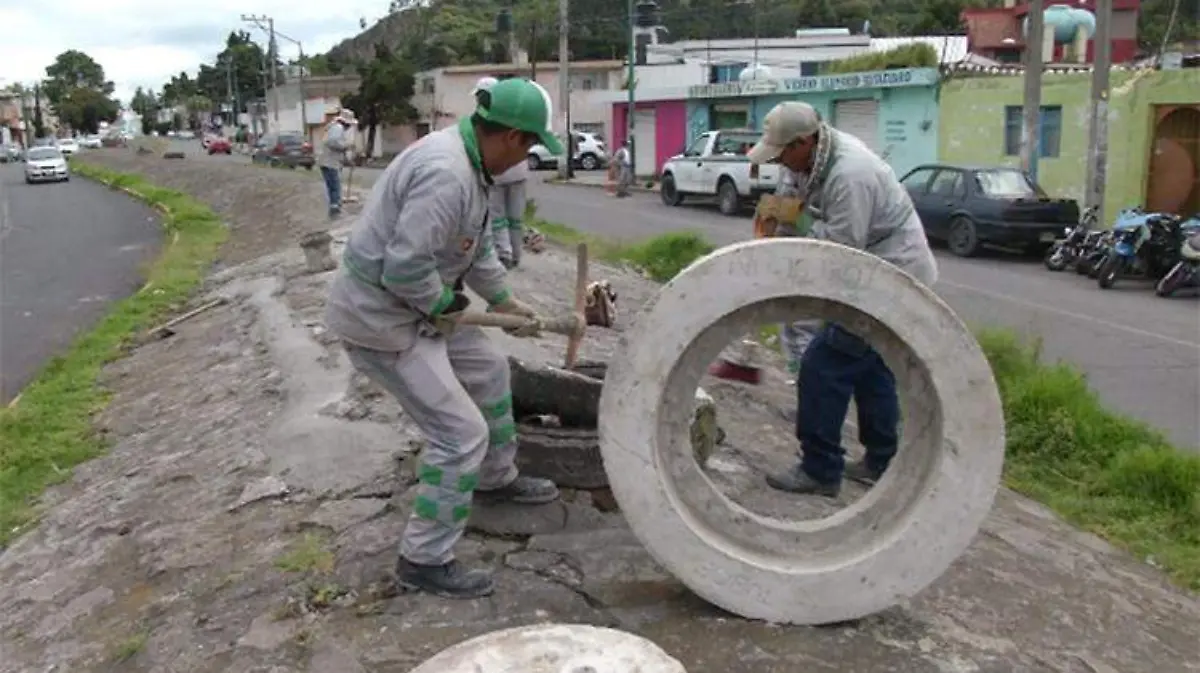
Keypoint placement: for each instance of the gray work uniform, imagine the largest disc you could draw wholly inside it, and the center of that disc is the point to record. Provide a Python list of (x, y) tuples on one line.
[(508, 211), (860, 204), (794, 337), (424, 229)]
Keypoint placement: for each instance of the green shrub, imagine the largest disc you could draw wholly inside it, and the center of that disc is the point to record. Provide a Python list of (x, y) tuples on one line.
[(919, 55), (663, 257)]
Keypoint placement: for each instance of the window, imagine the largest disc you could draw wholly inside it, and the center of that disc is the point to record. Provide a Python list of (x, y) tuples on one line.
[(727, 73), (948, 183), (427, 85), (1049, 133), (1007, 183), (810, 68), (697, 147), (918, 179), (588, 82), (735, 143)]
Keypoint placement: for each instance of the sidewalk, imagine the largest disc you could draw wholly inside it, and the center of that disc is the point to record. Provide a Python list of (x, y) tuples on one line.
[(598, 179)]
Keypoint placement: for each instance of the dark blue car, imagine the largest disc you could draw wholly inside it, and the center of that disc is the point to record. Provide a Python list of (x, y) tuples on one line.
[(969, 206)]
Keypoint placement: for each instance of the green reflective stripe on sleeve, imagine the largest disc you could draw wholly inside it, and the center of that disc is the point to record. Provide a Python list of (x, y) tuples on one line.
[(482, 252), (443, 302), (498, 408), (500, 297), (503, 434), (358, 273), (467, 483), (414, 276), (425, 508), (428, 474), (499, 223), (460, 513)]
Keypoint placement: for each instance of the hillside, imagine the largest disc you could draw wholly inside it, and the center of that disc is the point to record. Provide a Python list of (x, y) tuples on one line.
[(433, 33)]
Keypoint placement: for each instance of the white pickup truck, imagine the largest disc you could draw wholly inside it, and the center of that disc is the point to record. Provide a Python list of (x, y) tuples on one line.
[(715, 164)]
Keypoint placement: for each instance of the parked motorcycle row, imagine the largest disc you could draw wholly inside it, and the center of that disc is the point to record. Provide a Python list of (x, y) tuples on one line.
[(1161, 247)]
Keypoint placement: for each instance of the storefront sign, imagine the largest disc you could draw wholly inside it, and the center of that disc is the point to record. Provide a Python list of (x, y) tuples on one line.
[(879, 79)]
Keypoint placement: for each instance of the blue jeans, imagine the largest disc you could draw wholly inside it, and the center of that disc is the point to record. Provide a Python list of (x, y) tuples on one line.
[(333, 188), (836, 367)]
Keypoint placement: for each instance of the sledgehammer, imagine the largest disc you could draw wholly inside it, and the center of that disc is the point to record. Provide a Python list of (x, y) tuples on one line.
[(572, 325)]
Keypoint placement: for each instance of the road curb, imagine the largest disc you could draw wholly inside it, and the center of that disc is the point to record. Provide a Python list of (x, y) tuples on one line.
[(590, 185)]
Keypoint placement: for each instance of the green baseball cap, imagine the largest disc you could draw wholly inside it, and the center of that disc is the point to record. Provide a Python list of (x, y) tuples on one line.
[(522, 105)]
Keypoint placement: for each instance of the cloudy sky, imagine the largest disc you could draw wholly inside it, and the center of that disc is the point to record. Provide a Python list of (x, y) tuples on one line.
[(144, 42)]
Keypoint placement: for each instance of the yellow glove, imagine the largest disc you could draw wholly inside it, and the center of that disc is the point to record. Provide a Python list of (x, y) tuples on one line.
[(512, 306)]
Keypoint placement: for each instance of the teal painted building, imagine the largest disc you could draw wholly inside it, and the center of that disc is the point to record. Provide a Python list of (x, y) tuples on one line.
[(895, 112)]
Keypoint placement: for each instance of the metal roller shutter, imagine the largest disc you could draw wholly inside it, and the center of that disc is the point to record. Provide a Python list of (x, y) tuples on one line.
[(858, 118), (645, 138)]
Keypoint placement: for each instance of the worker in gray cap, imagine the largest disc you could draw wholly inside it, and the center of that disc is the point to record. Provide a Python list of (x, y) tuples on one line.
[(851, 197)]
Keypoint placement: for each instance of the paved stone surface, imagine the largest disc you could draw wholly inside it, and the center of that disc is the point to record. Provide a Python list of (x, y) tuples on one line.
[(67, 251), (139, 566)]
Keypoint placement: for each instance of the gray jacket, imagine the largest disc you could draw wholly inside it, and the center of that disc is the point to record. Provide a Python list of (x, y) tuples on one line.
[(518, 173), (860, 203), (423, 230), (333, 147)]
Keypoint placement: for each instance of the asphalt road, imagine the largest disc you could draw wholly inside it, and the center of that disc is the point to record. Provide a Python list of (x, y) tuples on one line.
[(67, 251), (1140, 352)]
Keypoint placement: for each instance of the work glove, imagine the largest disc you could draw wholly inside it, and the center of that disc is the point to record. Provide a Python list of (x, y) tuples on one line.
[(446, 321), (512, 306)]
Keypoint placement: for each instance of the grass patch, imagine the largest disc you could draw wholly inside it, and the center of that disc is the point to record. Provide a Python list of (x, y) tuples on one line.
[(130, 647), (49, 430), (1099, 470), (308, 554)]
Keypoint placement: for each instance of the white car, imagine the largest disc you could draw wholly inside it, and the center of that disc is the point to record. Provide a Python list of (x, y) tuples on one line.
[(91, 142), (45, 164), (589, 154), (68, 146), (715, 165)]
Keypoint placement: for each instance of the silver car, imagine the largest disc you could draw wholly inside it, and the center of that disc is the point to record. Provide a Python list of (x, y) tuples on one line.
[(45, 164)]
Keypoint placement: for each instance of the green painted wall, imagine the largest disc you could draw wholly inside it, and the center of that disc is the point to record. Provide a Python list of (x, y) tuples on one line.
[(971, 127)]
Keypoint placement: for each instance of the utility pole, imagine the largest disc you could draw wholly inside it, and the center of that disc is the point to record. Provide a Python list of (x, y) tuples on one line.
[(304, 93), (1098, 124), (229, 87), (533, 51), (1031, 128), (629, 84), (564, 86)]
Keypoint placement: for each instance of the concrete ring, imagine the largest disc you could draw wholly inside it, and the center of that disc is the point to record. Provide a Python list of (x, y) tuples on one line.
[(881, 550), (553, 648)]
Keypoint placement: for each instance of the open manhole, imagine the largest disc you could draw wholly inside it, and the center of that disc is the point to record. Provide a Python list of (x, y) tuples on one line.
[(557, 412)]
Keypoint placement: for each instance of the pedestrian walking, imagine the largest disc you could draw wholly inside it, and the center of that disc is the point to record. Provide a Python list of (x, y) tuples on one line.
[(423, 237), (851, 197), (624, 162), (507, 200), (333, 155)]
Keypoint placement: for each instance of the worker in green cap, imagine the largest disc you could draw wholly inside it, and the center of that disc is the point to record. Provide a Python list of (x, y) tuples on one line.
[(423, 237)]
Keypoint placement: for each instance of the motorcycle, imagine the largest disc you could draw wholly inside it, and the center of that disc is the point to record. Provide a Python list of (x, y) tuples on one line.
[(1067, 251), (1095, 247), (1144, 244), (1187, 270)]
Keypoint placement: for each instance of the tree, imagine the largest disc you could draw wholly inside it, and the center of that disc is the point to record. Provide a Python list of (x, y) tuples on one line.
[(74, 69), (39, 122), (145, 104), (83, 109), (240, 66), (197, 106), (384, 94)]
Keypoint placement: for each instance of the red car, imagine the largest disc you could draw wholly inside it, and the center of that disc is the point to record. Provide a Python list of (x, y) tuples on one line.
[(220, 145)]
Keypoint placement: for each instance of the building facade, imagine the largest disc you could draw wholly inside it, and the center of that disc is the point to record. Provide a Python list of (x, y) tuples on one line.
[(1153, 134), (894, 112)]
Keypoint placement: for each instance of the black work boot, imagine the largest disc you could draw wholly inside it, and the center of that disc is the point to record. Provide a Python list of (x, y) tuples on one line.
[(450, 580), (862, 473), (797, 481), (523, 490)]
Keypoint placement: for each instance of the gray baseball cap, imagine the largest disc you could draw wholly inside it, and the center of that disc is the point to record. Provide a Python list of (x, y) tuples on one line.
[(785, 123)]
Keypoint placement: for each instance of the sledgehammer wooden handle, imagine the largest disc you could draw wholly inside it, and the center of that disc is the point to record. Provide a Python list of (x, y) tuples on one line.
[(581, 285), (564, 324)]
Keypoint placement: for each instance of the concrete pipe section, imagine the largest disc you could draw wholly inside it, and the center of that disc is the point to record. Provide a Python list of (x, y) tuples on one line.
[(887, 546), (553, 648)]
